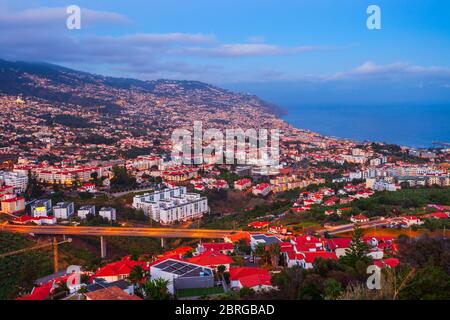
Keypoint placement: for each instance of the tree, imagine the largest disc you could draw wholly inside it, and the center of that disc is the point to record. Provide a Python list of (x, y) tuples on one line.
[(357, 251), (156, 289), (332, 289), (246, 292), (429, 283), (136, 274), (274, 252), (243, 247), (261, 252), (122, 179), (221, 269), (34, 189)]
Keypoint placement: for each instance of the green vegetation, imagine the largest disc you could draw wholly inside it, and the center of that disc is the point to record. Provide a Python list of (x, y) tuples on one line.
[(198, 292), (424, 273), (156, 289), (18, 272), (241, 220), (96, 139), (122, 180)]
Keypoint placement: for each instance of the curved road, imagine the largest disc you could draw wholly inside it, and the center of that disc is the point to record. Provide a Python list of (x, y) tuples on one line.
[(119, 231)]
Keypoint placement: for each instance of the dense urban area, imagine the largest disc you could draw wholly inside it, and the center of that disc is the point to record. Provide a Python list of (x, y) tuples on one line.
[(87, 180)]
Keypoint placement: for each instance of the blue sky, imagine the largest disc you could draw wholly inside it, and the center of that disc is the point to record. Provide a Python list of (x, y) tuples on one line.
[(313, 51)]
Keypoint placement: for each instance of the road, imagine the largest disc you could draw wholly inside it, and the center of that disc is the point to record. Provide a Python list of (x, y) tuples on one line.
[(350, 227), (119, 231)]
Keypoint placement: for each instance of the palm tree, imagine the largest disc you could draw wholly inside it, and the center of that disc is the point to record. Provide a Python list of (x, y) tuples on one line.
[(274, 252), (156, 289)]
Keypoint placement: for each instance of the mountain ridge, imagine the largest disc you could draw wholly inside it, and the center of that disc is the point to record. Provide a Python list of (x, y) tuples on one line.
[(41, 80)]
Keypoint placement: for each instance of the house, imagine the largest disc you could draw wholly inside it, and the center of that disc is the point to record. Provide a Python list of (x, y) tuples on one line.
[(108, 213), (211, 260), (12, 204), (118, 270), (262, 189), (85, 210), (387, 263), (359, 219), (215, 247), (179, 252), (263, 239), (412, 220), (242, 184), (437, 215), (182, 275), (236, 237), (41, 208), (199, 187), (307, 243), (278, 230), (63, 210), (250, 277), (331, 201), (110, 293), (309, 258), (339, 245), (100, 283), (88, 187), (44, 220), (259, 224)]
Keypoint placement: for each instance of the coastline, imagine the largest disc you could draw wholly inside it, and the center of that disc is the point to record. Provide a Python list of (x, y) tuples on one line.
[(413, 127)]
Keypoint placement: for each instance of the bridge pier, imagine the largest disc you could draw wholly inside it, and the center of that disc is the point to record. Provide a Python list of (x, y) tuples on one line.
[(102, 247), (163, 242)]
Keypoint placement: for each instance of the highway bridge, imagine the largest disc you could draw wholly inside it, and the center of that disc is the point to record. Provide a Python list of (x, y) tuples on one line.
[(102, 232), (119, 231)]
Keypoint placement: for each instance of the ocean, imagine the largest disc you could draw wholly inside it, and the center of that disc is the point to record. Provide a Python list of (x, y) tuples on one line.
[(413, 126)]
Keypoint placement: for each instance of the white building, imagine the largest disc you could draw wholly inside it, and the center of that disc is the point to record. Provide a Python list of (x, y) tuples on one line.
[(14, 179), (108, 213), (170, 205), (182, 275), (63, 210), (85, 210), (41, 208)]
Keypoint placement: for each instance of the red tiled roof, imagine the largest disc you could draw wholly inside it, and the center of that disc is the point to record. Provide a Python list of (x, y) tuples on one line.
[(256, 280), (39, 293), (238, 273), (210, 259), (219, 246), (310, 257), (336, 243), (122, 267), (258, 224)]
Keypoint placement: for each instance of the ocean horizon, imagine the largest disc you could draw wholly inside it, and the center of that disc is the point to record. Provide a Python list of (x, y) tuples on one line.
[(415, 126)]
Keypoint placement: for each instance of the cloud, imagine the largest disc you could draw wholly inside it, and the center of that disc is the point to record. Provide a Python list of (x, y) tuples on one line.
[(55, 17), (250, 49), (371, 70)]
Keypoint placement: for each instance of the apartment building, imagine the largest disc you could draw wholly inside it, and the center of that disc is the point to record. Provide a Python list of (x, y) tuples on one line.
[(41, 208), (63, 210), (85, 210), (170, 205), (17, 180)]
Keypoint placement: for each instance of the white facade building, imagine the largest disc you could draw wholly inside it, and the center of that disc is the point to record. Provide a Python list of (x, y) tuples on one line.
[(108, 213), (63, 210), (85, 210), (171, 205), (41, 208), (14, 179)]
